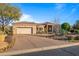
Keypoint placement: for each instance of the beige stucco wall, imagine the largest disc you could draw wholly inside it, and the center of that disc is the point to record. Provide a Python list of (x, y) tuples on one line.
[(33, 26)]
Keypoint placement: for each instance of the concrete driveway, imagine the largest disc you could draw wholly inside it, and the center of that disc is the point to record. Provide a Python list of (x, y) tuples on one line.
[(30, 42)]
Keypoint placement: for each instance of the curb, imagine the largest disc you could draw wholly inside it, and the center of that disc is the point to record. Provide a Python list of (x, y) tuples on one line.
[(36, 49)]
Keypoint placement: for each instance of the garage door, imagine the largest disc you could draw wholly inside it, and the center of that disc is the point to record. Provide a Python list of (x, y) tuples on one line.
[(24, 31)]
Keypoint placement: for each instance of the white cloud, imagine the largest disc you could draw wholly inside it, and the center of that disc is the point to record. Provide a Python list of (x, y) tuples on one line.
[(26, 17), (29, 18)]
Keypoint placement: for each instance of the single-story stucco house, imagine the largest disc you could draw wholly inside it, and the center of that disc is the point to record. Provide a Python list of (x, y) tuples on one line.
[(32, 28)]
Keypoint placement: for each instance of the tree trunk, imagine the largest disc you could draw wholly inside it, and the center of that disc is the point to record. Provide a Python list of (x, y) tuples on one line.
[(3, 19), (3, 28)]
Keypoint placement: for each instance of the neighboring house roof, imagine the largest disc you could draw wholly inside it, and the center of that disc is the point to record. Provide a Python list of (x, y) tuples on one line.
[(47, 23)]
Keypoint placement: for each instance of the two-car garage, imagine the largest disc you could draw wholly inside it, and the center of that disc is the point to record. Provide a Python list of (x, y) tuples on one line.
[(24, 28)]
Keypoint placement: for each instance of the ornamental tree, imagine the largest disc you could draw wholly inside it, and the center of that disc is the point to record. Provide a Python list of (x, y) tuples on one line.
[(65, 26), (8, 14)]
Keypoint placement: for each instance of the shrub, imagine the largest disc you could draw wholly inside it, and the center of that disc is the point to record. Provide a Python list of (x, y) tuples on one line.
[(77, 38), (77, 31), (63, 32), (71, 39)]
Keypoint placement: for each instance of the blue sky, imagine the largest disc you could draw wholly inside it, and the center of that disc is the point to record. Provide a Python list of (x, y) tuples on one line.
[(43, 12)]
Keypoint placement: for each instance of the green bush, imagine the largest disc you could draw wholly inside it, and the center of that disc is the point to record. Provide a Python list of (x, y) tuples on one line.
[(77, 38), (77, 31), (71, 39), (64, 32)]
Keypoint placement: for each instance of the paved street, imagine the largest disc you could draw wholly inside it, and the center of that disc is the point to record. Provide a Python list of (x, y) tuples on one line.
[(69, 51)]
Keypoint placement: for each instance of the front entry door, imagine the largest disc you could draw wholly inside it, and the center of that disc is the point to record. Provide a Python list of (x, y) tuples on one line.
[(49, 28)]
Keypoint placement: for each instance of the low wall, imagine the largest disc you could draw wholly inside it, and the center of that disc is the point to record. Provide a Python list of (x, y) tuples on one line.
[(45, 35)]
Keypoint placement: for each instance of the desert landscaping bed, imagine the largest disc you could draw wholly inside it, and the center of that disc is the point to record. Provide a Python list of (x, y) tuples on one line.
[(68, 37)]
